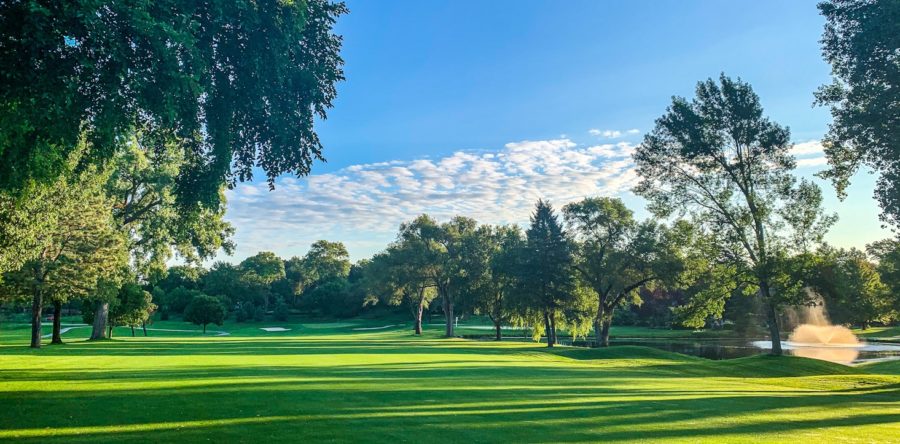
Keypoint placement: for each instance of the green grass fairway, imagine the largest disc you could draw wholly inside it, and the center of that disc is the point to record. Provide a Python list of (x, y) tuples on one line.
[(331, 382)]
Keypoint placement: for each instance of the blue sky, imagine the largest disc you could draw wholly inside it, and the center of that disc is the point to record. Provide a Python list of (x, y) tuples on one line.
[(479, 108)]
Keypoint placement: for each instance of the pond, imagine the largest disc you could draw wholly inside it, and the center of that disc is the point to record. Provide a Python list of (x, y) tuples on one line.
[(730, 348), (738, 348)]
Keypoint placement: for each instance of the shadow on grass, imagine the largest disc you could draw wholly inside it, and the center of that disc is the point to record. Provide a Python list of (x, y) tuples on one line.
[(472, 392)]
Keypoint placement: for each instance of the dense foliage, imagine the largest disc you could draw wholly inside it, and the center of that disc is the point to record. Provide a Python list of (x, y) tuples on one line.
[(861, 42), (234, 84)]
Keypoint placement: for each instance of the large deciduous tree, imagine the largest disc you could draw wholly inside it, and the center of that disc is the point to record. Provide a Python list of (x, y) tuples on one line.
[(861, 42), (494, 266), (421, 243), (403, 275), (887, 255), (852, 288), (237, 84), (616, 255), (260, 271), (719, 159), (132, 307), (141, 186)]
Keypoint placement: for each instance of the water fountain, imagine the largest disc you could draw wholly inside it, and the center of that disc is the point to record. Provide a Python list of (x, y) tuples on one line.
[(815, 337), (833, 343)]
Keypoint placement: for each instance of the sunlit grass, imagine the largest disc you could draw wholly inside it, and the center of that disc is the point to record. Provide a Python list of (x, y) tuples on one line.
[(327, 381)]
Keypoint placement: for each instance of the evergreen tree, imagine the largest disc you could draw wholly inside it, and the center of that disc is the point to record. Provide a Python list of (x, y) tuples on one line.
[(547, 277), (77, 251)]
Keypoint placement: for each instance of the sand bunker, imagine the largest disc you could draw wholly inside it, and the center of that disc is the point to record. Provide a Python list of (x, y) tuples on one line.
[(272, 329)]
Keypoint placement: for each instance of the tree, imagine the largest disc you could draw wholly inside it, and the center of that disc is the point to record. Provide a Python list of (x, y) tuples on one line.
[(860, 42), (204, 310), (20, 230), (325, 261), (547, 276), (224, 279), (76, 251), (404, 275), (617, 256), (260, 271), (281, 311), (493, 264), (132, 308), (142, 186), (237, 84), (718, 159), (425, 243), (887, 255), (458, 240), (852, 288), (177, 300)]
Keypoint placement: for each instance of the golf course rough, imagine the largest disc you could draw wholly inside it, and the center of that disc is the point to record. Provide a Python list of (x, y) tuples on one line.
[(338, 383)]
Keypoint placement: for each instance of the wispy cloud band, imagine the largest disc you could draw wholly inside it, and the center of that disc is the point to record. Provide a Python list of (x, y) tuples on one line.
[(364, 204)]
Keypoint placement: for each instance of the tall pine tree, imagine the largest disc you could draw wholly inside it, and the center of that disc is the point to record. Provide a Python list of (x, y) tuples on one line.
[(548, 264)]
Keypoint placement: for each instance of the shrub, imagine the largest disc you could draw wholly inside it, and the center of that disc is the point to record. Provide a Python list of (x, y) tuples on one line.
[(259, 314), (281, 311), (248, 311)]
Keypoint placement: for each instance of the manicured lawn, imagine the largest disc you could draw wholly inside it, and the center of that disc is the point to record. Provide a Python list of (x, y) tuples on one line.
[(330, 382), (881, 333)]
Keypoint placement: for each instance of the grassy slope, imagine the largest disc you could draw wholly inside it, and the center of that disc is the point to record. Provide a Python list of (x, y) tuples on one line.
[(330, 382), (890, 334)]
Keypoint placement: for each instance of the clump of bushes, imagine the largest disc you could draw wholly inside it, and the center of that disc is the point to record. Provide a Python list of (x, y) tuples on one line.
[(281, 311)]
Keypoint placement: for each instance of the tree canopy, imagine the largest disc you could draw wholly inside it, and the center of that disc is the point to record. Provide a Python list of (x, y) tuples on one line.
[(235, 84), (719, 160), (204, 310), (860, 42)]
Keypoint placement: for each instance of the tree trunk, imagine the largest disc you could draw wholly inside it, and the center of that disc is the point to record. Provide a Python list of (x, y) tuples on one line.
[(100, 317), (497, 336), (553, 327), (864, 325), (604, 333), (109, 329), (598, 323), (132, 331), (772, 319), (549, 329), (57, 320), (419, 311), (448, 312), (144, 327), (37, 304)]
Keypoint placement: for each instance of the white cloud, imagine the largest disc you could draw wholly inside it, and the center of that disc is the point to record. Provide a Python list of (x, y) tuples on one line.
[(807, 148), (364, 204), (812, 161), (613, 134), (809, 153)]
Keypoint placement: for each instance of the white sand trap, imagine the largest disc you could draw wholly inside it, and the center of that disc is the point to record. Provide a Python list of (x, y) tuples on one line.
[(270, 329), (375, 328)]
